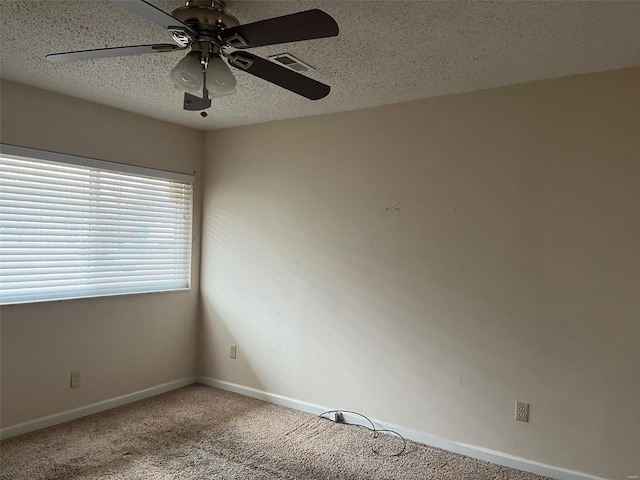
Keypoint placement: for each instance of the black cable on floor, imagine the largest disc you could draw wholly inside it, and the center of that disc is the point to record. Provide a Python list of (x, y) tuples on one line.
[(372, 429)]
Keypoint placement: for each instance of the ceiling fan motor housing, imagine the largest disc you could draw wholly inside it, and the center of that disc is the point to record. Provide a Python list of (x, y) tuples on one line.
[(208, 17)]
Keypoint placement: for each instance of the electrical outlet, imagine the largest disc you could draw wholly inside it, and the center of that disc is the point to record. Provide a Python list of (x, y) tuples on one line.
[(233, 351), (522, 412), (75, 379)]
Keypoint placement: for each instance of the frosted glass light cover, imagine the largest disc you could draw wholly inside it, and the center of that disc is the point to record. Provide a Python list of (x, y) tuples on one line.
[(220, 80), (187, 74)]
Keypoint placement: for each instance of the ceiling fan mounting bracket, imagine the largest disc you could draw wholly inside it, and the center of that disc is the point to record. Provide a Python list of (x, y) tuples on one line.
[(236, 41), (240, 62), (180, 36)]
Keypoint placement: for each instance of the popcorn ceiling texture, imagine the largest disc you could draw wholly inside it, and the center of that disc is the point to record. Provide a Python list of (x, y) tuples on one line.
[(387, 52)]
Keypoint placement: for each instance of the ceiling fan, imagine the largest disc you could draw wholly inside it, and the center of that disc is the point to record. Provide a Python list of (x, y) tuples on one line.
[(212, 34)]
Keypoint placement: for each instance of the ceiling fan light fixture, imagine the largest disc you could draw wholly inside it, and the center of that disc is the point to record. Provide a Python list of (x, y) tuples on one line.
[(206, 28), (220, 80), (187, 74)]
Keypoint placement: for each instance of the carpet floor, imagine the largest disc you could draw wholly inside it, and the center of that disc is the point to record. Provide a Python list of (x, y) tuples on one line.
[(199, 432)]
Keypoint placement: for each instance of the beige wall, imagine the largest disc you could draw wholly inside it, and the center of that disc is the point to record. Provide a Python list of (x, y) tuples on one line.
[(426, 264), (430, 263), (120, 344)]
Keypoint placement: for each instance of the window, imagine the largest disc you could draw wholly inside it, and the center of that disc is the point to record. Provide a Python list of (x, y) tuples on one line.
[(73, 227)]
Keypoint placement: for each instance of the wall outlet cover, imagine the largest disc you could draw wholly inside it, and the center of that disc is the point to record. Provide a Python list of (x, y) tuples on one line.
[(522, 411), (75, 379)]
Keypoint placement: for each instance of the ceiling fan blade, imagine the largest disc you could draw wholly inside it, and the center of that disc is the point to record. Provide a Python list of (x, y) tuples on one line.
[(305, 25), (79, 55), (281, 76), (154, 14)]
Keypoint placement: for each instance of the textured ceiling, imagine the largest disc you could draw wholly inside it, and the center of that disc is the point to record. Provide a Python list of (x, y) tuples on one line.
[(387, 52)]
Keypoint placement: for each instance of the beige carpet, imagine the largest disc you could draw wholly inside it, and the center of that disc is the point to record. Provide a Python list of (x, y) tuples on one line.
[(199, 432)]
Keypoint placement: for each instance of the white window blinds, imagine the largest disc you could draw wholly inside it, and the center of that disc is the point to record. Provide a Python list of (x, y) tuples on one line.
[(69, 230)]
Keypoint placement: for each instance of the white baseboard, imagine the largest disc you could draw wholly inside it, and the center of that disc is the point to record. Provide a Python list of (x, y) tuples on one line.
[(473, 451), (69, 415)]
